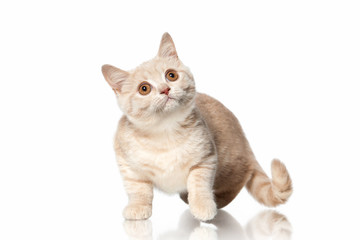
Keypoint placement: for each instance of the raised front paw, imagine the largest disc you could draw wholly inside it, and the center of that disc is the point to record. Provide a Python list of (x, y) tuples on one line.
[(203, 209), (137, 212)]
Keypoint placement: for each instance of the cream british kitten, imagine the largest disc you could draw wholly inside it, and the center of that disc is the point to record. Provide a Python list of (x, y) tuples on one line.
[(180, 141)]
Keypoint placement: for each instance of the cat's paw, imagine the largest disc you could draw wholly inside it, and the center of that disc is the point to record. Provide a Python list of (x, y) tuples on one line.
[(203, 209), (137, 212)]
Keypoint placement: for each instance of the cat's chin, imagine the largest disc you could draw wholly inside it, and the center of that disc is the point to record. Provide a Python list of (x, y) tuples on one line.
[(167, 105), (170, 105)]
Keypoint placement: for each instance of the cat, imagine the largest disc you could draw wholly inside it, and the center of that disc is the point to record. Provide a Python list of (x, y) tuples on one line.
[(180, 141)]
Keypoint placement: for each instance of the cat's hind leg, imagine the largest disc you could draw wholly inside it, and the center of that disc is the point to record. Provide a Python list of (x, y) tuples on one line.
[(222, 199), (184, 197)]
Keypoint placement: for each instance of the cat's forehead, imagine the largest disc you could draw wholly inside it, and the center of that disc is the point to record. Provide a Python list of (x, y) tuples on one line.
[(155, 68)]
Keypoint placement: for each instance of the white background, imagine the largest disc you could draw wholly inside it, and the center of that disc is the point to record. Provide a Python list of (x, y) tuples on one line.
[(289, 70)]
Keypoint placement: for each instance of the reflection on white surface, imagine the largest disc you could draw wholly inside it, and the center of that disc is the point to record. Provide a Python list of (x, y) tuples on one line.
[(265, 225), (269, 223), (138, 230)]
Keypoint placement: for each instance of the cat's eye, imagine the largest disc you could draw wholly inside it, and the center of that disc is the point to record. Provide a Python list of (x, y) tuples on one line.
[(171, 75), (144, 88)]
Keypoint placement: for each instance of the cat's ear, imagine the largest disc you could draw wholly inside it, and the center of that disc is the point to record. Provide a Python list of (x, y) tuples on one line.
[(167, 47), (114, 76)]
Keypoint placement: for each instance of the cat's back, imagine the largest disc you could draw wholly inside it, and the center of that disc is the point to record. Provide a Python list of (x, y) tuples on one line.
[(213, 110), (221, 121), (235, 157)]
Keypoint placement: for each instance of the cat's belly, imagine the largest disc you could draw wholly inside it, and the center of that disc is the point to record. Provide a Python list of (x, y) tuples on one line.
[(167, 170), (171, 181)]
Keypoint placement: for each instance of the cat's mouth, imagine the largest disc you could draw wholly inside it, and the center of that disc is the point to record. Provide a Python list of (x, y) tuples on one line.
[(168, 99), (168, 103)]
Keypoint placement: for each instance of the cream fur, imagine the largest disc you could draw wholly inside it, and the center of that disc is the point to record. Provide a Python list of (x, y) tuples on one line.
[(183, 142)]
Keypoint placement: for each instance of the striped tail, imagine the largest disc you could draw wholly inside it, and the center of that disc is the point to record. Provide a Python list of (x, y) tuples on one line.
[(270, 192)]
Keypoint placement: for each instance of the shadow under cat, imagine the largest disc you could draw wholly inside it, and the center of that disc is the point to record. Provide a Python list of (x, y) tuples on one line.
[(264, 225)]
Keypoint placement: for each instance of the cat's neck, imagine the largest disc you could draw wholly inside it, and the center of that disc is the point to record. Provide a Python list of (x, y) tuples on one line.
[(164, 123)]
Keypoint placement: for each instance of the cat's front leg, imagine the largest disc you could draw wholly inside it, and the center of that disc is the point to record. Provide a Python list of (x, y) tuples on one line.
[(199, 185), (140, 194)]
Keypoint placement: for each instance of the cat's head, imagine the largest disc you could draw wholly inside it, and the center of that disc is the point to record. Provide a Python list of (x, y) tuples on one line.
[(160, 87)]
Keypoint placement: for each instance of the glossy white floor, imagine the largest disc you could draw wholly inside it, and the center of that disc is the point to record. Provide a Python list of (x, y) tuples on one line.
[(289, 70)]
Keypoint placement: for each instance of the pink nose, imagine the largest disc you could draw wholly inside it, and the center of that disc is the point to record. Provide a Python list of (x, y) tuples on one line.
[(165, 91)]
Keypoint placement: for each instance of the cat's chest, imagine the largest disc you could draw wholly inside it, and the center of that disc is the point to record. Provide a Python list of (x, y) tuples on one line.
[(165, 154), (166, 161)]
